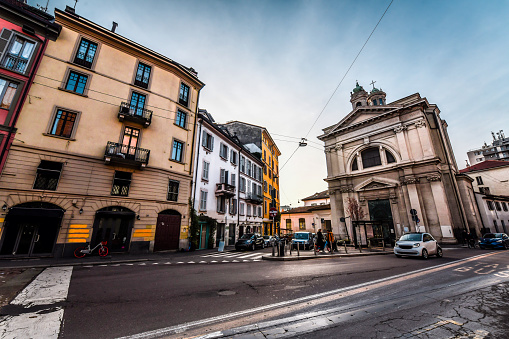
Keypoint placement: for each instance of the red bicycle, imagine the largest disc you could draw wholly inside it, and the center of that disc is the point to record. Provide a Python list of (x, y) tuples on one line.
[(80, 252)]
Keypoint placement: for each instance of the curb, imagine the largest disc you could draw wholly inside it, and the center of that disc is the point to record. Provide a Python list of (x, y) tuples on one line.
[(74, 264), (308, 257)]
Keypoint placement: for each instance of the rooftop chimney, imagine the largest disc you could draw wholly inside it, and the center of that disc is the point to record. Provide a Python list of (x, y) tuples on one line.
[(70, 10), (114, 27)]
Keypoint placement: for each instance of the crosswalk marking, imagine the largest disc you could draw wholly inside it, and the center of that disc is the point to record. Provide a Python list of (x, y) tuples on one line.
[(251, 255)]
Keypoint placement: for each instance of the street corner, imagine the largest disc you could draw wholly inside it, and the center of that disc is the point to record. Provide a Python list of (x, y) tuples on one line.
[(13, 280)]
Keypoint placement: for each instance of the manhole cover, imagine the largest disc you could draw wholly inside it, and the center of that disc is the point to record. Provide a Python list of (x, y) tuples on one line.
[(226, 292)]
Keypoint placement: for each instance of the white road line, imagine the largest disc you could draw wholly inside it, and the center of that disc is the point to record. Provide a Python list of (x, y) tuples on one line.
[(191, 262), (252, 255), (235, 261), (48, 288), (183, 327), (203, 262), (213, 261), (225, 261), (167, 263)]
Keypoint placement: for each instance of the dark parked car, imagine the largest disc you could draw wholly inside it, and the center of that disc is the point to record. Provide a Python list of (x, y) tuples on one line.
[(494, 240), (250, 241)]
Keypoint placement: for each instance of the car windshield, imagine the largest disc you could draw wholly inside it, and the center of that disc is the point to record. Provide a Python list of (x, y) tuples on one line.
[(411, 237), (301, 235), (247, 236), (493, 235)]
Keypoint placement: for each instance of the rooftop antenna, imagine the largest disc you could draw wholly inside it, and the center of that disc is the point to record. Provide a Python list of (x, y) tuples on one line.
[(75, 2), (303, 142)]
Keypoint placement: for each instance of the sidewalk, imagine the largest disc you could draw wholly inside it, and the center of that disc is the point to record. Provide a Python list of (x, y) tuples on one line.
[(309, 254), (115, 258)]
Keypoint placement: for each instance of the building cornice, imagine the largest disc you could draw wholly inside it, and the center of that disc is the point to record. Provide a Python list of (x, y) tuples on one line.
[(80, 24)]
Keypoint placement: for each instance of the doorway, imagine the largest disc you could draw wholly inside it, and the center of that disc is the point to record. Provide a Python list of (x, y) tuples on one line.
[(167, 231), (31, 229), (113, 224)]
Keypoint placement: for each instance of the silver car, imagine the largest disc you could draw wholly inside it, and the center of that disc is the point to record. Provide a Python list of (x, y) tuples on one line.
[(417, 245)]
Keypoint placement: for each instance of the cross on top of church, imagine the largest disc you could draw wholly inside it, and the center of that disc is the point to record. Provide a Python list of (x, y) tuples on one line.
[(373, 83)]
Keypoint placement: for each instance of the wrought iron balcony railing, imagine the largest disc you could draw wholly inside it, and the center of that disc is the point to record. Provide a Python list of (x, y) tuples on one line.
[(255, 198), (133, 113), (125, 154), (15, 63), (84, 60), (225, 189), (141, 81)]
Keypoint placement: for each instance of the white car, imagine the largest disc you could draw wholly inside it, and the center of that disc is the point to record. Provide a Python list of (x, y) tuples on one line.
[(417, 245)]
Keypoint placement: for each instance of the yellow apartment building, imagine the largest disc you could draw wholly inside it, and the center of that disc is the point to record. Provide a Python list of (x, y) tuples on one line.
[(258, 141), (103, 150)]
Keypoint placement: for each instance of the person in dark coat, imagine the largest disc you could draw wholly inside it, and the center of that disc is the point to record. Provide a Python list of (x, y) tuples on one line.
[(319, 240)]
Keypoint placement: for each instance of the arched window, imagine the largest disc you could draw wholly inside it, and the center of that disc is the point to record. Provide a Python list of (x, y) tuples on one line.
[(355, 166), (374, 102), (371, 157), (302, 224), (381, 101), (390, 157), (358, 104)]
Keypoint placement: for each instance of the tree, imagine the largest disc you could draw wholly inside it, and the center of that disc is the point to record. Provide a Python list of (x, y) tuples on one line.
[(354, 209)]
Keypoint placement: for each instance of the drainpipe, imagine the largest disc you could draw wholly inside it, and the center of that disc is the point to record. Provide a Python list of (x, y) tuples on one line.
[(197, 156), (23, 99)]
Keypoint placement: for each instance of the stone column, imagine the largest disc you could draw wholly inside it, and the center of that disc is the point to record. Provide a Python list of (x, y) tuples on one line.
[(440, 199), (403, 147), (424, 137), (413, 196)]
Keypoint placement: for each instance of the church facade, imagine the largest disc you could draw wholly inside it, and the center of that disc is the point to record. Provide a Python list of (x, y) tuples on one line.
[(397, 161)]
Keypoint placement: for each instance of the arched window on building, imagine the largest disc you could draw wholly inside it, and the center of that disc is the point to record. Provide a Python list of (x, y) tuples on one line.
[(358, 104), (302, 224), (371, 157), (390, 157)]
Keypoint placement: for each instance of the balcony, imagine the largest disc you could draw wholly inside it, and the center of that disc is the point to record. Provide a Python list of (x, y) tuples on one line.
[(226, 190), (15, 63), (116, 153), (135, 114), (83, 60), (254, 198)]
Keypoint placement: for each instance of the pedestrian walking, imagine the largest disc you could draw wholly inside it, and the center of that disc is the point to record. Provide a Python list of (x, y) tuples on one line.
[(319, 240), (330, 240)]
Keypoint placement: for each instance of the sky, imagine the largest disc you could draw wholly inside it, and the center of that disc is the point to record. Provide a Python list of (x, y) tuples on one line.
[(277, 63)]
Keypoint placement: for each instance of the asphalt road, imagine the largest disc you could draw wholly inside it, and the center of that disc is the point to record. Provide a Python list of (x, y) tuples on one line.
[(292, 299)]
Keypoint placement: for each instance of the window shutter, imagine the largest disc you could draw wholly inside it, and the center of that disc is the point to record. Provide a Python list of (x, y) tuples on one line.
[(218, 204), (211, 142), (226, 174), (4, 40), (221, 179), (204, 139)]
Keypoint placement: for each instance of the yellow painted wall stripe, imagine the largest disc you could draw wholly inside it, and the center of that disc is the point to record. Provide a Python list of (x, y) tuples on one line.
[(79, 231), (80, 236), (77, 240), (79, 226)]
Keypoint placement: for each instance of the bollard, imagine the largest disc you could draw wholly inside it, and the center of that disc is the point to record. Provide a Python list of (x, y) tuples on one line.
[(344, 244), (314, 247), (360, 246), (383, 245), (298, 249), (273, 249)]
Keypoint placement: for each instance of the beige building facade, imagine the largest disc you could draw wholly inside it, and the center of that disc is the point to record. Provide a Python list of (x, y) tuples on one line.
[(396, 160), (104, 150)]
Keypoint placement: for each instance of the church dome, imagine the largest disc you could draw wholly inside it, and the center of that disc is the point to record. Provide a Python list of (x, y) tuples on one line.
[(374, 90), (358, 88)]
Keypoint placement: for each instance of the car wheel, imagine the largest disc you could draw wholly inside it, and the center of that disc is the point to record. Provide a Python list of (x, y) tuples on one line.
[(506, 246), (440, 254), (263, 245), (424, 253), (253, 247)]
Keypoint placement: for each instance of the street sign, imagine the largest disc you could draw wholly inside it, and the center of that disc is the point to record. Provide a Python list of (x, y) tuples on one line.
[(273, 212)]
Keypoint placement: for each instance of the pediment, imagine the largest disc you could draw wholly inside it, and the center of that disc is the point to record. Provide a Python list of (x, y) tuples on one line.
[(375, 184), (359, 115)]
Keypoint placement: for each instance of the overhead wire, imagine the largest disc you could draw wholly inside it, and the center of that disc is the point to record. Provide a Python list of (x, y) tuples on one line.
[(344, 76), (113, 96)]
